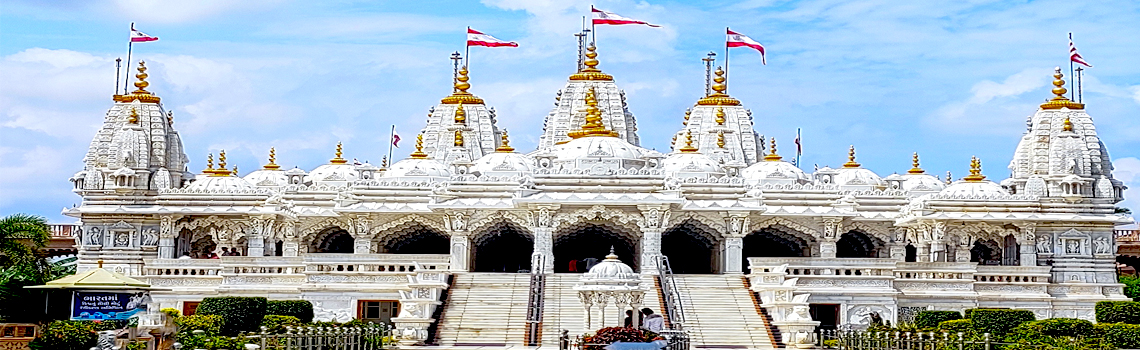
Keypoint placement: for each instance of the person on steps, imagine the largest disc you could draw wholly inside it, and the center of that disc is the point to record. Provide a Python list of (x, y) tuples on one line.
[(653, 322)]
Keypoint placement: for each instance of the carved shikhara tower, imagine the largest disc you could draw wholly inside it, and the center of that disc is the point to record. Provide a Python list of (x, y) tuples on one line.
[(718, 203)]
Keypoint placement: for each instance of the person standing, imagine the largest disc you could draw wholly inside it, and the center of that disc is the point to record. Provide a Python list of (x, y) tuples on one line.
[(653, 322)]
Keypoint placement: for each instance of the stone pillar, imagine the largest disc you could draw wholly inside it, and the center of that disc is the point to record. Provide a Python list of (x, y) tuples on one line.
[(255, 241), (654, 218), (922, 252), (734, 255), (1028, 244), (255, 245), (543, 229), (898, 251), (166, 236), (831, 229), (962, 254), (827, 249), (460, 246), (937, 252), (291, 244)]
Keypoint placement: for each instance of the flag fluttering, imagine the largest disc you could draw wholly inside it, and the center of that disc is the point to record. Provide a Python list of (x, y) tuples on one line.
[(395, 138), (735, 39), (1074, 55), (477, 38), (604, 17), (140, 37)]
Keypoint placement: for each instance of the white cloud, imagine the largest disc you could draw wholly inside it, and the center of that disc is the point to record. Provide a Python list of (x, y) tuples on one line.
[(178, 11), (992, 107), (1127, 170)]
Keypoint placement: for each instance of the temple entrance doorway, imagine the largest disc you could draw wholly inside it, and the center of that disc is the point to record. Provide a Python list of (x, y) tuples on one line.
[(332, 240), (502, 248), (855, 244), (774, 241), (691, 248), (415, 239), (583, 245)]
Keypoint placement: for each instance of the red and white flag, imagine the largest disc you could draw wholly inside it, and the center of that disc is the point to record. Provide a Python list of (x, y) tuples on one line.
[(603, 17), (477, 38), (395, 139), (735, 39), (140, 37), (1074, 55)]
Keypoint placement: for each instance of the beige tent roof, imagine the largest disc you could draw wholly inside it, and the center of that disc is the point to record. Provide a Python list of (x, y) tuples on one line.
[(97, 278)]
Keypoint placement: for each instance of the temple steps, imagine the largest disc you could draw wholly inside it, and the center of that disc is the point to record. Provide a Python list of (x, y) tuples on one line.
[(485, 309), (720, 313)]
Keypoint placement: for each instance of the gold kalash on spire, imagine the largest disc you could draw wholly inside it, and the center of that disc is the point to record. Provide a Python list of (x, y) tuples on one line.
[(459, 94), (851, 158), (221, 170), (339, 153), (272, 160), (1060, 101), (593, 125), (975, 171), (772, 156), (590, 69), (139, 94), (689, 148), (419, 153), (506, 146), (914, 166), (718, 97)]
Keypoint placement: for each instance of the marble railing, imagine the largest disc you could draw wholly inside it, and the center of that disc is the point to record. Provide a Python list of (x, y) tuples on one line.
[(375, 263), (235, 272), (833, 272), (182, 267), (1012, 274), (934, 271)]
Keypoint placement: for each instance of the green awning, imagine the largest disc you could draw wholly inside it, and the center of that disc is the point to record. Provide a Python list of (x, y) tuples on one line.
[(97, 278)]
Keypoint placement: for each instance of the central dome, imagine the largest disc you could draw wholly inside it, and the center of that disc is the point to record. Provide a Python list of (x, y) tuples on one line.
[(611, 269)]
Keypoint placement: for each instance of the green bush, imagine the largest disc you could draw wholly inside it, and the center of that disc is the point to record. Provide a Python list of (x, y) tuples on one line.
[(301, 309), (211, 324), (172, 312), (71, 335), (240, 314), (1067, 327), (998, 322), (1131, 286), (1118, 312), (931, 318), (1124, 336), (964, 325), (277, 324)]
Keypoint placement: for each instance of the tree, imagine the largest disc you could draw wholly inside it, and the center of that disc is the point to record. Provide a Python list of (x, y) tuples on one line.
[(21, 235)]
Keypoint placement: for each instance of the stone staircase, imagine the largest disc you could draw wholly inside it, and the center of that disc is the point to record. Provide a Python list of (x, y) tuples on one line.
[(485, 309), (720, 313), (563, 309)]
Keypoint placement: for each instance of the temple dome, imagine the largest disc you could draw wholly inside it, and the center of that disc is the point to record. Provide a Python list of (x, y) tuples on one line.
[(973, 189), (503, 163), (332, 172), (611, 269), (921, 182), (857, 176), (766, 171), (208, 183), (680, 163), (264, 177), (598, 147), (417, 167)]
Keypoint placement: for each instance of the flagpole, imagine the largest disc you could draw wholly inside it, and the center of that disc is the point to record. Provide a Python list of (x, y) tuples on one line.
[(467, 53), (799, 146), (1080, 78), (391, 139), (118, 65), (726, 62), (1072, 91), (593, 32), (130, 46)]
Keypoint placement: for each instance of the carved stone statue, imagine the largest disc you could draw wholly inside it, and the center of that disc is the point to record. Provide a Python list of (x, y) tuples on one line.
[(1072, 246), (94, 236), (150, 238), (1102, 246), (1044, 244)]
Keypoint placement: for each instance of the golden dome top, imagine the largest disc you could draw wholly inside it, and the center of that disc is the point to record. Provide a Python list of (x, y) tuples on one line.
[(590, 69), (718, 97), (593, 125), (1059, 100), (339, 153), (272, 160), (460, 94), (1067, 125), (949, 179), (140, 93), (505, 147), (975, 171), (688, 111), (720, 115), (720, 139), (221, 170), (689, 148), (772, 155), (458, 138), (134, 118), (914, 166), (384, 162), (460, 115), (851, 159), (419, 153)]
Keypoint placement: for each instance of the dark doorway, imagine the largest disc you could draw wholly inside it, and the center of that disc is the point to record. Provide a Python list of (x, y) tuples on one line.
[(911, 253), (278, 248), (986, 253), (771, 242), (418, 239), (690, 249), (333, 240), (855, 244), (503, 248), (826, 314), (1011, 256), (591, 241)]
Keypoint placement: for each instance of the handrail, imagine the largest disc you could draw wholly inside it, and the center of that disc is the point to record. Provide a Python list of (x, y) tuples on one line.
[(673, 308), (535, 300)]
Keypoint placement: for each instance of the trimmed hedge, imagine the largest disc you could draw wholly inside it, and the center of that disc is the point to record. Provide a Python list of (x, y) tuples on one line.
[(998, 322), (964, 325), (301, 309), (1125, 336), (240, 314), (931, 318), (71, 335), (1131, 286), (277, 324), (1118, 312), (211, 324), (1067, 327)]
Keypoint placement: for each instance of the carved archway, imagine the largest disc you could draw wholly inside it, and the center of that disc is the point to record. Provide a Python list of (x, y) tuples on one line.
[(332, 240), (987, 252), (197, 243), (413, 238), (776, 241), (502, 247), (857, 244), (589, 241), (692, 248)]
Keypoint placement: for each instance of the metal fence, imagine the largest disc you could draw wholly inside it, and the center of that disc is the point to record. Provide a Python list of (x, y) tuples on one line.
[(535, 300), (674, 340), (865, 340), (370, 337), (670, 295)]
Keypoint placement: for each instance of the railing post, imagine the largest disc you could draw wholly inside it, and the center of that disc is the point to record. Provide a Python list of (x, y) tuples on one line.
[(986, 337)]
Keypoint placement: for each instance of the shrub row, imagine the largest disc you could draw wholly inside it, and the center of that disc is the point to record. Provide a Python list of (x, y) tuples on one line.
[(1118, 312), (301, 309), (239, 314), (997, 322), (71, 335), (931, 318)]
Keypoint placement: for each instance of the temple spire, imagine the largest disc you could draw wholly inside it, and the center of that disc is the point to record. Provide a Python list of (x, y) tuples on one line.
[(1059, 100), (719, 97), (505, 147), (975, 171), (140, 92), (460, 94), (339, 154), (590, 69), (772, 155), (272, 165), (851, 158), (914, 166)]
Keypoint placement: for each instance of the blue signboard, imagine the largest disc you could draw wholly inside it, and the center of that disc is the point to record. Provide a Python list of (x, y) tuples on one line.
[(90, 306)]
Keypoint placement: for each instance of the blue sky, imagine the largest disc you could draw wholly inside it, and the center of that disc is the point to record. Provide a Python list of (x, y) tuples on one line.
[(947, 79)]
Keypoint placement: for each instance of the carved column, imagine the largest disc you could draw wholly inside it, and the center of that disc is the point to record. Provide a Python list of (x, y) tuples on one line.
[(736, 224), (261, 227), (460, 240), (653, 221), (543, 228), (361, 234), (1027, 241), (291, 245), (166, 237), (937, 243), (827, 243)]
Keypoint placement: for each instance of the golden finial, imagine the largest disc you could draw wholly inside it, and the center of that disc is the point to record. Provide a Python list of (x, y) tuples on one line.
[(1068, 124), (272, 160), (236, 171), (221, 170), (460, 115), (383, 162), (458, 138), (506, 146), (718, 97), (720, 139), (688, 111), (134, 118), (419, 153), (141, 84), (673, 144), (689, 143), (975, 171), (461, 95), (170, 118), (851, 158), (222, 160), (772, 156), (140, 94), (1059, 100), (914, 165), (209, 164), (719, 87), (949, 179), (590, 69), (339, 153), (461, 81), (593, 125), (720, 115)]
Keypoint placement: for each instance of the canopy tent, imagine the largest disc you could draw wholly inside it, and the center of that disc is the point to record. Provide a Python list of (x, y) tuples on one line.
[(96, 279)]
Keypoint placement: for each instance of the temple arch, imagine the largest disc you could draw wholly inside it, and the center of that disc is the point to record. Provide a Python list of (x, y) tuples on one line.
[(857, 244), (196, 243), (414, 238), (692, 248), (502, 247), (776, 241), (332, 240), (589, 239)]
